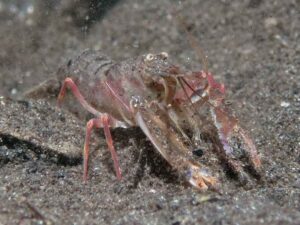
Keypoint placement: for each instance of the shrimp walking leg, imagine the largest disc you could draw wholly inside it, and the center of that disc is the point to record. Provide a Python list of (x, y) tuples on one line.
[(68, 82), (102, 122)]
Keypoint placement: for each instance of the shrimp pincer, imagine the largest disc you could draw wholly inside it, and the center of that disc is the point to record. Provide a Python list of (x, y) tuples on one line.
[(167, 102)]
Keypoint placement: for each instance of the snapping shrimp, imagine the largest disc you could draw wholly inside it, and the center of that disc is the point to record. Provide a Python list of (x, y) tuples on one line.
[(164, 100)]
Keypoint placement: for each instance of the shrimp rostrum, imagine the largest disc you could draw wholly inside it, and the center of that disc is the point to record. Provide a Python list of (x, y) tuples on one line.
[(166, 102)]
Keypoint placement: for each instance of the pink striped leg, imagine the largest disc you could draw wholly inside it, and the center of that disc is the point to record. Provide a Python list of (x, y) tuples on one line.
[(68, 82), (102, 122)]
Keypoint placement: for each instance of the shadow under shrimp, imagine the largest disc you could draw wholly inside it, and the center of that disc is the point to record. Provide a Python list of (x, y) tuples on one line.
[(144, 160)]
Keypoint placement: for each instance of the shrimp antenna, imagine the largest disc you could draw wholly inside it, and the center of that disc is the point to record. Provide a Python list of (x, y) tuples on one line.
[(181, 81), (192, 40), (194, 91)]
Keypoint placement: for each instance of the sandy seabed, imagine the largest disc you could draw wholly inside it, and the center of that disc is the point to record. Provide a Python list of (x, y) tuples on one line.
[(253, 48)]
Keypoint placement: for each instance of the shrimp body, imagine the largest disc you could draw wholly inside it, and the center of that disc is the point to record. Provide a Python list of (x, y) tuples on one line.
[(159, 97)]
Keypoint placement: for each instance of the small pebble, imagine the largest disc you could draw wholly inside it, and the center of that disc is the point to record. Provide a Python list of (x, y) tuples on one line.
[(14, 91), (271, 22), (284, 104)]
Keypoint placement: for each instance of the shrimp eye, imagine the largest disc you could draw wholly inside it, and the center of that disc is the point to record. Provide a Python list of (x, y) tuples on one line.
[(149, 57), (164, 55)]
